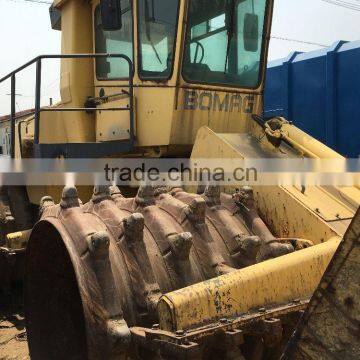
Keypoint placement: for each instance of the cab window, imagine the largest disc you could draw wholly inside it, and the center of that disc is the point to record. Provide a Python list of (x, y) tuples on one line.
[(157, 35), (224, 42), (119, 42)]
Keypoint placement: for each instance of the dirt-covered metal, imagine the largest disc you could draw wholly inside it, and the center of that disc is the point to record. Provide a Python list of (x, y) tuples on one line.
[(95, 270)]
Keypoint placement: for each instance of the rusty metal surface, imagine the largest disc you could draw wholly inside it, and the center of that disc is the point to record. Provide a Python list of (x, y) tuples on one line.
[(95, 270), (270, 325), (330, 327)]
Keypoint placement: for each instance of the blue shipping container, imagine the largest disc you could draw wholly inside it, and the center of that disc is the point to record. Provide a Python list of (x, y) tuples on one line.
[(320, 92)]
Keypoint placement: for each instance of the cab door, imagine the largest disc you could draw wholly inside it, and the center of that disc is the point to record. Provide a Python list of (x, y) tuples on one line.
[(112, 76)]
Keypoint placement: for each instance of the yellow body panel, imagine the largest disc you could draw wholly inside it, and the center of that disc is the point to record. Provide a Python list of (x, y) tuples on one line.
[(219, 110), (76, 80), (110, 125)]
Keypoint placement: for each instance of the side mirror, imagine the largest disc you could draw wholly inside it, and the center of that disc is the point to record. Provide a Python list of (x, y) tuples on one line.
[(251, 32), (110, 11), (55, 18)]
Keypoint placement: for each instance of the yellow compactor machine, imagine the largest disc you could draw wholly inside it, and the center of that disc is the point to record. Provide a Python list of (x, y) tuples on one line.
[(169, 273)]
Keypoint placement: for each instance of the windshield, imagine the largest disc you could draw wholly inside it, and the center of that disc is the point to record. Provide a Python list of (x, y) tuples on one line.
[(224, 42), (157, 33)]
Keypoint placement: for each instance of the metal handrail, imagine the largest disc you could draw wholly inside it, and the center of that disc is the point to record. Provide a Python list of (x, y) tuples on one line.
[(37, 60)]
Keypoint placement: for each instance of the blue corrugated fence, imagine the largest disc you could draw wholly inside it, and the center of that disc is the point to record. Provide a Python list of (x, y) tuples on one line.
[(320, 92)]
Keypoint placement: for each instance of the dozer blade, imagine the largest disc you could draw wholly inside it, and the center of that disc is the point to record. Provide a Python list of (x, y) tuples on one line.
[(330, 327)]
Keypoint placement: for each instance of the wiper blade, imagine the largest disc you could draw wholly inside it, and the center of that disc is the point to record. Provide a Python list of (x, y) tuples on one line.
[(149, 19)]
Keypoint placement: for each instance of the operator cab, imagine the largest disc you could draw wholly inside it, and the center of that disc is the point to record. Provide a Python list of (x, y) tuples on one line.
[(196, 62), (222, 40)]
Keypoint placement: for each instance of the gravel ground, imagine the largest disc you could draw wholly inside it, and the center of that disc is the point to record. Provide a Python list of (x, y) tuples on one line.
[(13, 344)]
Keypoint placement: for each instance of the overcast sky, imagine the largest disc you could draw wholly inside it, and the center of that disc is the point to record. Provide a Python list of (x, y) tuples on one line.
[(25, 33)]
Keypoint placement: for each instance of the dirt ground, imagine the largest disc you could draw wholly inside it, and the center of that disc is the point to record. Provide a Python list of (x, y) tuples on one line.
[(13, 344)]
